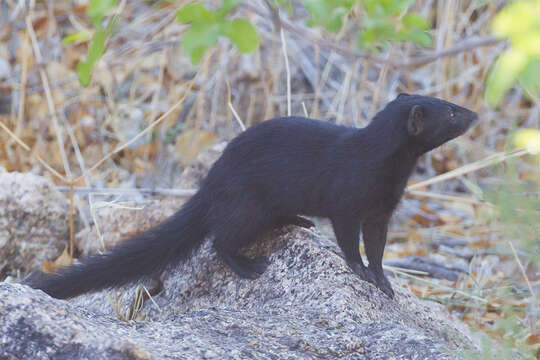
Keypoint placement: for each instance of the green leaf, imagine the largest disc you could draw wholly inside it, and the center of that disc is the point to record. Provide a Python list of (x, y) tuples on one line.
[(80, 36), (193, 13), (416, 35), (503, 74), (97, 9), (198, 38), (287, 4), (84, 70), (228, 5), (414, 20), (400, 6), (520, 23), (96, 49), (242, 34), (529, 78), (316, 9), (336, 19), (516, 18), (528, 138), (366, 37), (328, 13)]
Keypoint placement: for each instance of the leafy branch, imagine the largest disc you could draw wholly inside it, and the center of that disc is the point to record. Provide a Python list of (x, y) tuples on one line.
[(206, 26)]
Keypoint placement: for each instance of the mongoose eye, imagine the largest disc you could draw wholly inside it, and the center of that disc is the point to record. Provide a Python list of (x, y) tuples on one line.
[(452, 113)]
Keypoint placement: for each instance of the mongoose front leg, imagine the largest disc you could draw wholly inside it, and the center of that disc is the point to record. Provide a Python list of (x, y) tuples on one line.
[(348, 237), (374, 232)]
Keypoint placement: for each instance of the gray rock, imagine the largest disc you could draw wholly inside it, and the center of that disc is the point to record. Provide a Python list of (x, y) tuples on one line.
[(34, 222), (116, 224), (308, 304)]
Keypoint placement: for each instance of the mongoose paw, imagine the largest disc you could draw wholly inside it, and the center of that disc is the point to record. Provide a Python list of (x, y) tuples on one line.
[(359, 269), (260, 264), (385, 287), (381, 282)]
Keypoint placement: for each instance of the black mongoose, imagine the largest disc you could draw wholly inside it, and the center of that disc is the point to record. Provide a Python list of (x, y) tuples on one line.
[(271, 174)]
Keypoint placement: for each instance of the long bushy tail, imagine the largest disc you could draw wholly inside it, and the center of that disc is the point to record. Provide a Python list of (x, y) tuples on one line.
[(147, 253)]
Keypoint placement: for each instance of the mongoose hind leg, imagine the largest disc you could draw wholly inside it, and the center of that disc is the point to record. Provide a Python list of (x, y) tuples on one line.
[(296, 221), (243, 266)]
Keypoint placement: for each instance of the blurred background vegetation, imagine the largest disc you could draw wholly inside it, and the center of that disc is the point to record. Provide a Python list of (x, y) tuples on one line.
[(80, 78)]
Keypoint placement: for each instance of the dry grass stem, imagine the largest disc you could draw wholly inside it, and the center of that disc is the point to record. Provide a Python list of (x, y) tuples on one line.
[(38, 158), (465, 169), (151, 298), (447, 197), (304, 109), (464, 45), (136, 137), (24, 77), (522, 269), (48, 94), (71, 221), (378, 88), (437, 286), (145, 191), (287, 69), (237, 117)]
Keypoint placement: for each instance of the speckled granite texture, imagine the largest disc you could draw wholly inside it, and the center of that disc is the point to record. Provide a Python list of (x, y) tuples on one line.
[(307, 305)]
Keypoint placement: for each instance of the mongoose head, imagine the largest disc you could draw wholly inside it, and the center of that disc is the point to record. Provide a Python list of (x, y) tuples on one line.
[(430, 122)]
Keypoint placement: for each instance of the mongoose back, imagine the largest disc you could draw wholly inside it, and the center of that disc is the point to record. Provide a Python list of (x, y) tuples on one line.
[(270, 175)]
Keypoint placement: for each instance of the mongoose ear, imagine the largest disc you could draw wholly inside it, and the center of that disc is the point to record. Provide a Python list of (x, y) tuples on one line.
[(415, 123), (402, 95)]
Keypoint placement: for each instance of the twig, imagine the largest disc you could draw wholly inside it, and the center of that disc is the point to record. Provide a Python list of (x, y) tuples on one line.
[(27, 148), (464, 45), (275, 15), (15, 137), (57, 129), (447, 197), (435, 285), (48, 95), (490, 160), (146, 191), (136, 137), (71, 221), (305, 109), (24, 77), (522, 269), (381, 79), (287, 70), (237, 117)]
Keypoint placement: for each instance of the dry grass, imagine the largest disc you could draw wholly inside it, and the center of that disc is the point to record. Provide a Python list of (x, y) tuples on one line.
[(130, 120)]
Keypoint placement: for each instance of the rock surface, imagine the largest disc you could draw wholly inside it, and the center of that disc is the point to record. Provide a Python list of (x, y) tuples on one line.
[(116, 224), (34, 222), (307, 305)]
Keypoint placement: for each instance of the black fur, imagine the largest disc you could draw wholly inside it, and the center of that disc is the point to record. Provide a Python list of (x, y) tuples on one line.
[(275, 171)]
